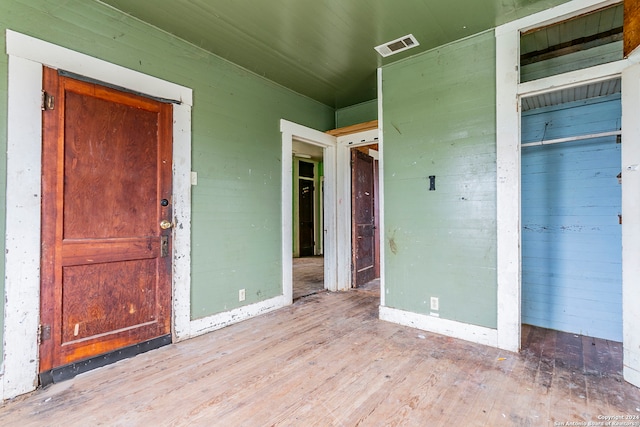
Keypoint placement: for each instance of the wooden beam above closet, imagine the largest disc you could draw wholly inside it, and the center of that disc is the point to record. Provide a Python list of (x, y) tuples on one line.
[(631, 26), (360, 127)]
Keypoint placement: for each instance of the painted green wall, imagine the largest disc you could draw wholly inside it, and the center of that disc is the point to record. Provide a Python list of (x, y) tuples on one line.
[(359, 113), (236, 141), (439, 119)]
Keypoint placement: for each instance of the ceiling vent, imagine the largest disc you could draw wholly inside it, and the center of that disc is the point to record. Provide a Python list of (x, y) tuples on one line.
[(397, 45)]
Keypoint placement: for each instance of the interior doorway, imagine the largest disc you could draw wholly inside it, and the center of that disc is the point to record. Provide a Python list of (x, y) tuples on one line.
[(335, 226), (571, 210), (308, 242), (365, 214)]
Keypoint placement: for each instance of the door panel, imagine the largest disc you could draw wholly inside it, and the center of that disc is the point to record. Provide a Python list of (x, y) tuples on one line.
[(110, 160), (106, 171), (363, 218), (306, 212)]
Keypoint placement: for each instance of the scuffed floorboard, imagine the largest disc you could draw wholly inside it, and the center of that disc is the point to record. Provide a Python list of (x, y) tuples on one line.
[(328, 361), (308, 276)]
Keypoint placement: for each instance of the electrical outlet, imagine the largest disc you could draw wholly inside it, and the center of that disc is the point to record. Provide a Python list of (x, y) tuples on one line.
[(435, 303), (241, 295), (194, 178)]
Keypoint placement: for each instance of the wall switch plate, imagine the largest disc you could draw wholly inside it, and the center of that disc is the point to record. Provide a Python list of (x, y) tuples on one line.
[(435, 303), (241, 295), (194, 178)]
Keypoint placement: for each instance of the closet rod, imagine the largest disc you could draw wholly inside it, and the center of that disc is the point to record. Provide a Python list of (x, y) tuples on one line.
[(572, 138)]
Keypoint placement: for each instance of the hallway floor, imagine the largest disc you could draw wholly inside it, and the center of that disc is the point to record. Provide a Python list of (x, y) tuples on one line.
[(308, 276)]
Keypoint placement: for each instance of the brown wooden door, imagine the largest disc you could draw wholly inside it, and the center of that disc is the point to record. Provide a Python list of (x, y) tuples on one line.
[(305, 197), (362, 218), (106, 185)]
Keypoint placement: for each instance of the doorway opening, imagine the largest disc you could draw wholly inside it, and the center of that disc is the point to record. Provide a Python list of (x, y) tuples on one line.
[(571, 230), (335, 223), (365, 216), (570, 194), (308, 219)]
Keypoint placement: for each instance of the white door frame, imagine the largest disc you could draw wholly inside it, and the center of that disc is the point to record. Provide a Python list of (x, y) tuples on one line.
[(27, 55), (291, 131), (336, 202), (345, 144), (509, 91), (631, 220)]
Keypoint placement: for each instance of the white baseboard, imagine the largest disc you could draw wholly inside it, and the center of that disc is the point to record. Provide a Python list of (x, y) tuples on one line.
[(463, 331), (220, 320), (631, 361), (631, 375)]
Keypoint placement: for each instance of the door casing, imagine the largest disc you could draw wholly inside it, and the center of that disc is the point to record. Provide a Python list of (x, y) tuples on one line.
[(336, 212), (508, 93), (27, 55)]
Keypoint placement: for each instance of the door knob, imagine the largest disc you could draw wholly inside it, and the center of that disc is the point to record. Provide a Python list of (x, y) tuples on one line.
[(164, 224)]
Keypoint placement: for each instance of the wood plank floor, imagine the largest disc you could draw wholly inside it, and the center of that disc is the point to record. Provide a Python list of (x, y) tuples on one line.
[(308, 276), (329, 361)]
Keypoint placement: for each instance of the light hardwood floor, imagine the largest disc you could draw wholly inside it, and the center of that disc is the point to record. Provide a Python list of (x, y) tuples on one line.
[(329, 361), (308, 276)]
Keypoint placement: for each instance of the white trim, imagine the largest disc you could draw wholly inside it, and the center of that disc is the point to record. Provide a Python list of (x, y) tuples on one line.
[(575, 78), (58, 57), (182, 220), (27, 55), (450, 328), (220, 320), (22, 237), (508, 190), (631, 223), (630, 375), (291, 131), (381, 188)]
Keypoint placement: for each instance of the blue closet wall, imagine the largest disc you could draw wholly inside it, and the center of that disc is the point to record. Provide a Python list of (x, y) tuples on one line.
[(571, 238)]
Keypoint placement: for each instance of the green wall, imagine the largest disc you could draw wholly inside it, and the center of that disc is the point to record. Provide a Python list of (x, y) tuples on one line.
[(439, 119), (236, 141), (358, 113)]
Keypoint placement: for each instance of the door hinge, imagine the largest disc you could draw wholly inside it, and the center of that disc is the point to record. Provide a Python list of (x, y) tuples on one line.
[(44, 333), (48, 101)]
